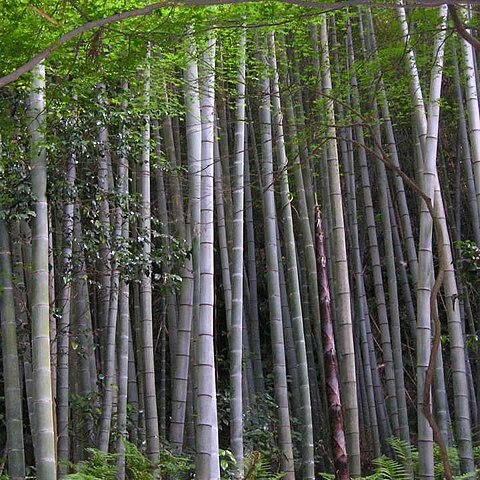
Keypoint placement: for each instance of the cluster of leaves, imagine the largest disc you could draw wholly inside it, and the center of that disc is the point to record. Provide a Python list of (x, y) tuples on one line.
[(262, 455), (174, 466), (227, 463), (128, 252), (85, 408), (470, 263), (258, 467), (15, 188), (103, 466), (99, 465), (261, 423)]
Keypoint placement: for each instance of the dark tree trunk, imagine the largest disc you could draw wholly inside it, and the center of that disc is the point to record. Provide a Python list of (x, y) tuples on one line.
[(339, 447)]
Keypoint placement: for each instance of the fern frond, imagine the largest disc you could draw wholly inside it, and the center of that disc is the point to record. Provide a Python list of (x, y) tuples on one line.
[(99, 466), (403, 450), (327, 476), (257, 467), (453, 459), (389, 469), (467, 476), (81, 476), (138, 466)]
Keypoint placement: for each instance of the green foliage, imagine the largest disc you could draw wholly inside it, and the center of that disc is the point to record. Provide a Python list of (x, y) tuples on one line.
[(262, 455), (258, 467), (137, 466), (29, 475), (86, 409), (469, 263), (103, 466), (386, 468), (227, 463), (262, 426), (403, 450), (100, 465), (260, 422), (15, 188), (174, 466)]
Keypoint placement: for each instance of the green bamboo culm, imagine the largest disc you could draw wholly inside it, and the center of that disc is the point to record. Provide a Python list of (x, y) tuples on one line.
[(13, 393), (43, 429)]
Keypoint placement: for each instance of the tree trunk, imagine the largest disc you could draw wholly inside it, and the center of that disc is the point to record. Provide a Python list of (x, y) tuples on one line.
[(206, 458), (273, 281), (43, 399), (151, 415), (63, 342), (236, 328), (11, 373), (308, 471), (340, 275), (181, 366), (339, 447)]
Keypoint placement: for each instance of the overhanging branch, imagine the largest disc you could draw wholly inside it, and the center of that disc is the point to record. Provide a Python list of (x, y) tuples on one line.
[(461, 29), (118, 17)]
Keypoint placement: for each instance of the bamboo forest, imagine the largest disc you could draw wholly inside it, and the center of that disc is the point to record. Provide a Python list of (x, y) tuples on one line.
[(239, 239)]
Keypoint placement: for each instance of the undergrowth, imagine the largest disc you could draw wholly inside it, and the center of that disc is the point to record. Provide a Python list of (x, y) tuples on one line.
[(103, 466), (407, 460)]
